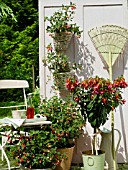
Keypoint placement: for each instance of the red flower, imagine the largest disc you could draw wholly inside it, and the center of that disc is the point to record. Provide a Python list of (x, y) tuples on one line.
[(49, 48), (23, 145), (73, 7), (84, 84), (76, 83), (104, 100), (72, 87), (76, 99), (21, 160), (123, 101), (116, 97)]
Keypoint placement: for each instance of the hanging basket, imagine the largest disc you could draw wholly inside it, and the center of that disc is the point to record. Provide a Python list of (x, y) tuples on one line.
[(61, 41), (60, 79)]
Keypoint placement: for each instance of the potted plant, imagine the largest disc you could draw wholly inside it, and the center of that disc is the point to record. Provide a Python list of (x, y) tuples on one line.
[(58, 62), (66, 122), (61, 26), (96, 97), (37, 150), (60, 66)]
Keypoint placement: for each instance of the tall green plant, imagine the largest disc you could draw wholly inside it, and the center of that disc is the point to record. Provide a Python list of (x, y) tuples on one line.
[(19, 42), (67, 121), (5, 11)]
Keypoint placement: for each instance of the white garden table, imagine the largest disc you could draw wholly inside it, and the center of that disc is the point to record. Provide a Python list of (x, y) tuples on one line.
[(28, 123)]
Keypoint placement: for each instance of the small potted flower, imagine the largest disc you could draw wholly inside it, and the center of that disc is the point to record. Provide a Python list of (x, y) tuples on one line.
[(61, 26), (97, 97), (67, 123)]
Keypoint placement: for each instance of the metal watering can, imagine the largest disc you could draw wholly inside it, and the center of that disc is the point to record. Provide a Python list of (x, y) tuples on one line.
[(106, 145)]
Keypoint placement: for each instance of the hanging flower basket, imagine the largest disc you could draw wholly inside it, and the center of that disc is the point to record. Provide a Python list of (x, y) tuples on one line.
[(61, 41), (60, 79)]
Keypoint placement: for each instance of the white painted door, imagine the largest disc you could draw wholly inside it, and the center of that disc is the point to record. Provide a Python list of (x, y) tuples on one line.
[(89, 14)]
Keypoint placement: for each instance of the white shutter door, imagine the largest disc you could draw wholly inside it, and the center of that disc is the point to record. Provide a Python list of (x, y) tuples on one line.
[(89, 14)]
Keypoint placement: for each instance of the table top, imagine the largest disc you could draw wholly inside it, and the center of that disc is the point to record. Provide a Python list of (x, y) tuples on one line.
[(24, 122), (44, 122)]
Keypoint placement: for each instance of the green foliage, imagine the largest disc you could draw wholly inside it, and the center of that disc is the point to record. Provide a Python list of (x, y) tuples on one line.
[(5, 11), (57, 62), (19, 44), (61, 21), (61, 67), (97, 97), (37, 150), (67, 121)]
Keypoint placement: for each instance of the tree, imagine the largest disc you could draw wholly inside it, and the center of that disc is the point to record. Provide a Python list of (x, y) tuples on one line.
[(5, 11), (19, 42)]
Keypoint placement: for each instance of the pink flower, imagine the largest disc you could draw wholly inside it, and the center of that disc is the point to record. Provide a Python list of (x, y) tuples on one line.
[(77, 99), (67, 26), (49, 48), (102, 92)]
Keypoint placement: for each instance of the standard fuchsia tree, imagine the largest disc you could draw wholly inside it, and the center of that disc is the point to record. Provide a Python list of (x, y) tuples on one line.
[(97, 97)]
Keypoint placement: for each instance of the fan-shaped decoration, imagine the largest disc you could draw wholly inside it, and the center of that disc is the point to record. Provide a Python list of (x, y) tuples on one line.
[(109, 39)]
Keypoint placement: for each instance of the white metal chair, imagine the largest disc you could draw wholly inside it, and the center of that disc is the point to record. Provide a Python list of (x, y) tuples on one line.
[(15, 84), (12, 84)]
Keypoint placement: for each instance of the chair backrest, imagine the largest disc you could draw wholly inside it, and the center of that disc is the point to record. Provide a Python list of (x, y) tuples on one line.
[(15, 84)]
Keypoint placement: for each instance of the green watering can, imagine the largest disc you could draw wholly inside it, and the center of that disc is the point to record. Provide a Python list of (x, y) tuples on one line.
[(106, 145)]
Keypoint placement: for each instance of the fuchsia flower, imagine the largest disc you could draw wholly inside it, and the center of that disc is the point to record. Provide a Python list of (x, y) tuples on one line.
[(102, 91), (123, 101), (73, 7), (49, 47), (97, 97), (67, 26), (71, 85)]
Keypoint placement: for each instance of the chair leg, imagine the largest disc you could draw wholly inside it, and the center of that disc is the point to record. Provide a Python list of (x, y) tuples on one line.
[(4, 140), (4, 154)]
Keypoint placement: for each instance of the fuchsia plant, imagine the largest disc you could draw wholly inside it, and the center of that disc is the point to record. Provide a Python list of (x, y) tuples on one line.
[(62, 21), (97, 97)]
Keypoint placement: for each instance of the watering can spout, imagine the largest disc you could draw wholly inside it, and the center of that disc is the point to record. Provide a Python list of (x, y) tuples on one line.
[(104, 130)]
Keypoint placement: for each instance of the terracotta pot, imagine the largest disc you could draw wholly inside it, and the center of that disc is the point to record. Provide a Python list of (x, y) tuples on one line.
[(65, 164)]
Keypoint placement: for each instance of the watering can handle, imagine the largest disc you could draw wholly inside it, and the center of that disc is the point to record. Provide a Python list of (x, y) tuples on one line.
[(119, 133), (90, 161)]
